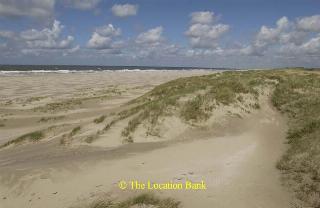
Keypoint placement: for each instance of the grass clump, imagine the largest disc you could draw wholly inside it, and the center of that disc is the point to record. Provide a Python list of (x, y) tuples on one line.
[(91, 138), (32, 137), (65, 139), (75, 130), (194, 109), (99, 119), (142, 200), (35, 99), (59, 106), (52, 118)]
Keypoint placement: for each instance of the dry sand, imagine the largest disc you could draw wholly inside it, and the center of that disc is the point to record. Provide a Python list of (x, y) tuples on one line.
[(237, 164)]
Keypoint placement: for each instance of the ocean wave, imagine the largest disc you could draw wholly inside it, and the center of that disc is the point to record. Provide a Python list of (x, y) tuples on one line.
[(97, 70)]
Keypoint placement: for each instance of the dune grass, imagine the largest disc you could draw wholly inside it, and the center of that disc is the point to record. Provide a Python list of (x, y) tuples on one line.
[(58, 106), (75, 130), (209, 91), (50, 118), (298, 97), (32, 137), (100, 119), (142, 200)]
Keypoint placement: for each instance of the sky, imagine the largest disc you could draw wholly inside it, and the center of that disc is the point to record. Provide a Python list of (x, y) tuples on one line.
[(196, 33)]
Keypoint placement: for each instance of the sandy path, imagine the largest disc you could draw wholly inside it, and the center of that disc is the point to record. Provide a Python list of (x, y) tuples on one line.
[(238, 168)]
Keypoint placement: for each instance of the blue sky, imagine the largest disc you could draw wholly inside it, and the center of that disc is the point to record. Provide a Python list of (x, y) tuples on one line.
[(216, 33)]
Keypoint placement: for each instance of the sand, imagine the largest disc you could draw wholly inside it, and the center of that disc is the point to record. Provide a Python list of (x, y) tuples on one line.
[(237, 164)]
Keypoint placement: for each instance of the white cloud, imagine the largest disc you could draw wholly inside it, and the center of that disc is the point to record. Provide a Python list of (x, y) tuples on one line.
[(31, 8), (206, 36), (82, 4), (309, 24), (48, 38), (6, 34), (41, 8), (151, 37), (202, 17), (124, 10), (203, 34), (108, 30), (99, 42), (103, 37), (287, 38), (71, 50), (269, 35), (312, 46)]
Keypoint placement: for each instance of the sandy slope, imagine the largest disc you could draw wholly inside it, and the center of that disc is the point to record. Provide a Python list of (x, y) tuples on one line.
[(238, 167)]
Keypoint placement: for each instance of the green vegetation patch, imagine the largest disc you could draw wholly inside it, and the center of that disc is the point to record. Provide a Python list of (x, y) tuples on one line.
[(32, 137), (142, 200), (58, 106), (206, 93), (51, 118), (99, 119), (298, 96), (75, 130)]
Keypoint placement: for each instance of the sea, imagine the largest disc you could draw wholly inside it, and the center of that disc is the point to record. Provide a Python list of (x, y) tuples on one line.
[(22, 69)]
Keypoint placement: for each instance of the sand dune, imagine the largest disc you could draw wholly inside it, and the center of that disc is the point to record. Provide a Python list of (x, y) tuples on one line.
[(235, 159)]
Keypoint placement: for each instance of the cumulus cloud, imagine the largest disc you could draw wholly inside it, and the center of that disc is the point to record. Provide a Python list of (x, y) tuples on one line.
[(99, 42), (103, 37), (309, 24), (202, 17), (298, 39), (31, 8), (203, 33), (37, 42), (6, 34), (268, 36), (41, 8), (287, 38), (151, 37), (309, 48), (108, 30), (124, 10), (48, 38), (312, 46)]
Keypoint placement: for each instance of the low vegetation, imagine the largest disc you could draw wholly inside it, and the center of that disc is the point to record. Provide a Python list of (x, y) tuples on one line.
[(59, 106), (298, 96), (35, 99), (69, 104), (192, 99), (142, 200), (66, 138), (74, 131), (51, 118), (32, 137), (99, 119)]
